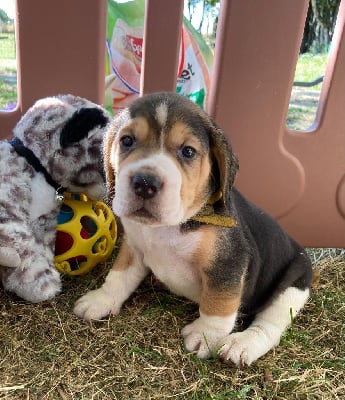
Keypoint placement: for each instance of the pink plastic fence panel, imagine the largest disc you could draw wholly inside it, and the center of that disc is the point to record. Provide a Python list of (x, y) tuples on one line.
[(320, 212), (297, 177), (161, 46)]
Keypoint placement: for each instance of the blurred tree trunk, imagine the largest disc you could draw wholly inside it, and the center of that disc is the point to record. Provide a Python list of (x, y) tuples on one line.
[(319, 25)]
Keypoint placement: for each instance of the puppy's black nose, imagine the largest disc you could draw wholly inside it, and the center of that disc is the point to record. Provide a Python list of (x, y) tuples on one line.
[(146, 185)]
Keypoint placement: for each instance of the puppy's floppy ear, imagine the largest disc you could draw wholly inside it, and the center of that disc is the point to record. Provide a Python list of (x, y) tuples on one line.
[(108, 168), (108, 141), (80, 124), (226, 161)]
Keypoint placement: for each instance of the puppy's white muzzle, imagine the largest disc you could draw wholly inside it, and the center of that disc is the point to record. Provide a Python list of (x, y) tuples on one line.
[(149, 191)]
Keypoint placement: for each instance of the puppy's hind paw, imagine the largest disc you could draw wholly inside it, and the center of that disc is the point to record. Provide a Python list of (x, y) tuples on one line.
[(96, 305), (232, 352), (243, 348)]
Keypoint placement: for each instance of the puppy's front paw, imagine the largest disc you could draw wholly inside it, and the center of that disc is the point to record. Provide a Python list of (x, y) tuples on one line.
[(201, 339), (95, 305)]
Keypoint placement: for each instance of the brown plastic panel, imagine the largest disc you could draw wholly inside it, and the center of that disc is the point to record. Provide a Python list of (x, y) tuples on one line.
[(60, 49)]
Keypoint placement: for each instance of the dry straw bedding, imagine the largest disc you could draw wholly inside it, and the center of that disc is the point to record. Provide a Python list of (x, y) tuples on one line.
[(48, 353)]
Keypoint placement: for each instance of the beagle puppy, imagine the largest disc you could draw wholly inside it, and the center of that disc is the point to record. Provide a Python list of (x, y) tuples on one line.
[(170, 173)]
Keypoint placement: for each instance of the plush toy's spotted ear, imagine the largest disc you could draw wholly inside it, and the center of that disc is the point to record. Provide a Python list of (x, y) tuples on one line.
[(226, 162), (80, 124)]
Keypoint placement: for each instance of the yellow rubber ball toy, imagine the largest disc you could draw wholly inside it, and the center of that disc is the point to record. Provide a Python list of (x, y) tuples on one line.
[(86, 234)]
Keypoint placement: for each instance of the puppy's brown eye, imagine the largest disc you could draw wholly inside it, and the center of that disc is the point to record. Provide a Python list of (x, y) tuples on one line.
[(127, 141), (188, 152)]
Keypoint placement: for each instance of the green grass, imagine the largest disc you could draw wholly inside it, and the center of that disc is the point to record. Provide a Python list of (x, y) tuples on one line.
[(311, 66), (7, 46), (304, 101), (47, 353), (8, 70), (8, 66), (8, 94)]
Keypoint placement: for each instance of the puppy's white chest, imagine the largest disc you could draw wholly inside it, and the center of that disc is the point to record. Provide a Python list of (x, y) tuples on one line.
[(169, 254)]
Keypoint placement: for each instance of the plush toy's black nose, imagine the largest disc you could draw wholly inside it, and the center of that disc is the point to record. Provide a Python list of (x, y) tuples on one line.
[(146, 185)]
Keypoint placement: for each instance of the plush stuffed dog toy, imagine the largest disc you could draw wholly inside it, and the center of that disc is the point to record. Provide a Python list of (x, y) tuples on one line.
[(57, 145), (170, 172)]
